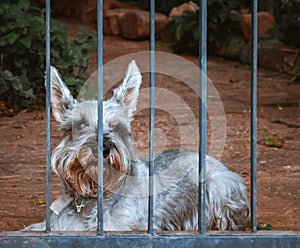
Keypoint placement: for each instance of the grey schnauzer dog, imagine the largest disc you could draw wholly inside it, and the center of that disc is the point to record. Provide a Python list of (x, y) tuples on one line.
[(125, 177)]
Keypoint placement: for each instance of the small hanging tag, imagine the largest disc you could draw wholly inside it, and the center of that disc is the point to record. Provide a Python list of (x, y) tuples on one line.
[(79, 203)]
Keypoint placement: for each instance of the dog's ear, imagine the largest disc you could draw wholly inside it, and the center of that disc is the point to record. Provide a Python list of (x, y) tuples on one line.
[(61, 98), (127, 93)]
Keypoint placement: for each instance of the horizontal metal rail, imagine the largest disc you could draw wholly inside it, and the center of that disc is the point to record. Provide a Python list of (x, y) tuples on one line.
[(237, 240)]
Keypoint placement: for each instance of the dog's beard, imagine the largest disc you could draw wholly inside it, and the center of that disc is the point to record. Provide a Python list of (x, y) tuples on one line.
[(80, 179), (80, 170)]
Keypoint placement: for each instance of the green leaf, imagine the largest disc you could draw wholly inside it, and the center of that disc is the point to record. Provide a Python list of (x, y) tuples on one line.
[(39, 20), (29, 93), (234, 16), (26, 41), (267, 227), (3, 42), (11, 38), (17, 85), (41, 202), (24, 4), (55, 54), (271, 142), (179, 32), (7, 75), (91, 45), (196, 34), (176, 18), (18, 62), (71, 81)]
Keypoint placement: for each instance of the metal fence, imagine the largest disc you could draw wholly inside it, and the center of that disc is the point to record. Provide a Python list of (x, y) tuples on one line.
[(202, 238)]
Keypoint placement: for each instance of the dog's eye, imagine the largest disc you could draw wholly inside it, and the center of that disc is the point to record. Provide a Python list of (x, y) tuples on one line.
[(80, 125)]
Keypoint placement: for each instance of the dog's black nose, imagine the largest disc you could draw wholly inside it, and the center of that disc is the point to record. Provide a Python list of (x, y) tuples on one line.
[(106, 151), (106, 147)]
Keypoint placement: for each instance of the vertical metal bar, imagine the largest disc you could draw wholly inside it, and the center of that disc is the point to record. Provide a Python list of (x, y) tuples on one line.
[(202, 116), (100, 118), (254, 117), (152, 115), (48, 126)]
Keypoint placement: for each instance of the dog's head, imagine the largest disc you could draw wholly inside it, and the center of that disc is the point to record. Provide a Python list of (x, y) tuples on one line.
[(75, 158)]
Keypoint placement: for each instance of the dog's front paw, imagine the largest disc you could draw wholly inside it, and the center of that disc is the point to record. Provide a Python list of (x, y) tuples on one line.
[(41, 226)]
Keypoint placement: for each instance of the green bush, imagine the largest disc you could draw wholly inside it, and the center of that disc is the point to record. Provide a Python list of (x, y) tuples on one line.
[(185, 29), (287, 15), (222, 22), (22, 49)]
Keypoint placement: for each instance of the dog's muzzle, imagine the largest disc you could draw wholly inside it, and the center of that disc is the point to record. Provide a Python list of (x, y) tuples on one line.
[(107, 145)]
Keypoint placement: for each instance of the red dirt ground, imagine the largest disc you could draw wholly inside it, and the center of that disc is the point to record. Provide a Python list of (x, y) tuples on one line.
[(22, 141)]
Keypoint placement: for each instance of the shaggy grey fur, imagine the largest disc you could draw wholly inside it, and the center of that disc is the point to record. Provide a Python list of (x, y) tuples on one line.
[(126, 177)]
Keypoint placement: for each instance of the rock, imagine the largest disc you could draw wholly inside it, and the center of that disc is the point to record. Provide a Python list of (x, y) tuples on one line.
[(106, 26), (271, 58), (265, 22), (165, 35), (83, 10), (111, 21), (135, 24), (273, 55), (179, 11), (121, 5), (279, 58), (114, 25)]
